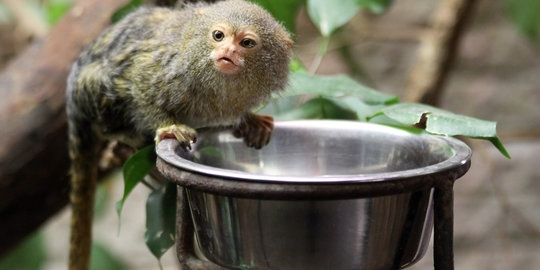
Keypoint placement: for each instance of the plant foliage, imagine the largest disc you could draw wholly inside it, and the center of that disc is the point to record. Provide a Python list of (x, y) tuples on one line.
[(134, 170), (55, 10), (102, 258), (525, 14), (328, 16), (126, 9), (284, 11), (160, 219), (441, 122)]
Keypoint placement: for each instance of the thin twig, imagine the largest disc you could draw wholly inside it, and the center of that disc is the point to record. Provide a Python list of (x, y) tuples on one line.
[(146, 181), (323, 48), (438, 50)]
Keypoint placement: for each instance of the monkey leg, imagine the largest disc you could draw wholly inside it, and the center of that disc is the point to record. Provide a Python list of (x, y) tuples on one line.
[(255, 129), (184, 134)]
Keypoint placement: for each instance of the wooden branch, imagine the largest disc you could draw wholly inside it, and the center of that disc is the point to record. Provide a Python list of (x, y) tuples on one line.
[(438, 50), (33, 149)]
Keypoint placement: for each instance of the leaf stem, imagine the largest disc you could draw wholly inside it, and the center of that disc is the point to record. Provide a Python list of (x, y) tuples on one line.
[(145, 182), (323, 48)]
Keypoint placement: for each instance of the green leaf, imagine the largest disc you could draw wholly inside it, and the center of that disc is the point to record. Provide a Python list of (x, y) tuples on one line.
[(284, 11), (441, 122), (376, 6), (161, 219), (330, 15), (125, 10), (356, 104), (408, 114), (338, 97), (29, 255), (525, 14), (103, 259), (319, 108), (499, 145), (280, 104), (135, 169), (56, 10), (296, 66), (301, 83)]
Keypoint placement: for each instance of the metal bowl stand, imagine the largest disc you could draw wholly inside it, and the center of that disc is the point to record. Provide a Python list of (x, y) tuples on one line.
[(443, 251)]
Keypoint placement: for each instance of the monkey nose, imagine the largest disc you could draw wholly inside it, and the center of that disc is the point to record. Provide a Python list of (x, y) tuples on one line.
[(230, 49)]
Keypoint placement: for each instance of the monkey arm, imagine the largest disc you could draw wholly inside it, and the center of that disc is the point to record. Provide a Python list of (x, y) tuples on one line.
[(255, 129)]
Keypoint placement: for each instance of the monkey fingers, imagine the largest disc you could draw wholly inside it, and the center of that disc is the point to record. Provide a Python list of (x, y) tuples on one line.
[(256, 130), (182, 133)]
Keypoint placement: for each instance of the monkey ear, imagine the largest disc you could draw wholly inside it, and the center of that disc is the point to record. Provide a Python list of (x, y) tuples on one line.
[(289, 43), (287, 40)]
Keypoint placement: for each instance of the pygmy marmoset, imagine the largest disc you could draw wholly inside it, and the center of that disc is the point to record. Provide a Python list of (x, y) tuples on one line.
[(162, 73)]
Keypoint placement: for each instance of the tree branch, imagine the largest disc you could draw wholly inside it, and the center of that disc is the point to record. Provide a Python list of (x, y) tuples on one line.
[(437, 51), (33, 150)]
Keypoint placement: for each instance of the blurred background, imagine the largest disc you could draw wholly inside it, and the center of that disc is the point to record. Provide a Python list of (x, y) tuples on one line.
[(495, 76)]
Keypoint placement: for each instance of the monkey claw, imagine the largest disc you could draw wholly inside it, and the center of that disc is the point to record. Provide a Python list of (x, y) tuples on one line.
[(182, 133)]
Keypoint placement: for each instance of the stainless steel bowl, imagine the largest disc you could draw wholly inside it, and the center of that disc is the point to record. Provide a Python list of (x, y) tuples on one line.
[(322, 195)]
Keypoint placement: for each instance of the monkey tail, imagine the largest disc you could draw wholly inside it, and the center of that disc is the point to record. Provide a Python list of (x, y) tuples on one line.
[(84, 148)]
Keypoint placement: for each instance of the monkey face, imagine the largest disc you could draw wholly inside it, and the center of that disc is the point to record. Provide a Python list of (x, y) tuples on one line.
[(232, 46)]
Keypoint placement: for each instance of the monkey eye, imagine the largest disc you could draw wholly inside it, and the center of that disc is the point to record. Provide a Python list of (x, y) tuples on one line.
[(218, 35), (248, 43)]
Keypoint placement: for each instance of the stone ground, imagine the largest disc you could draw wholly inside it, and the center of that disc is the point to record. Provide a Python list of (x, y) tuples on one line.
[(497, 220)]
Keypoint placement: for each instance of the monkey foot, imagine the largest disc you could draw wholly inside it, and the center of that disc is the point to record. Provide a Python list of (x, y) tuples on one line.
[(255, 129), (182, 133)]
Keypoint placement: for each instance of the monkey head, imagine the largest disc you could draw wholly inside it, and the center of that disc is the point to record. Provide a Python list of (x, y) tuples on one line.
[(232, 46)]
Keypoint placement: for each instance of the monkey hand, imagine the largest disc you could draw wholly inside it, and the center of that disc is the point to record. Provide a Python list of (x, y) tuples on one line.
[(182, 133), (255, 129)]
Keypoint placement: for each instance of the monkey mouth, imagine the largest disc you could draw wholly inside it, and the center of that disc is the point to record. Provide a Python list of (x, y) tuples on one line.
[(227, 60), (227, 65)]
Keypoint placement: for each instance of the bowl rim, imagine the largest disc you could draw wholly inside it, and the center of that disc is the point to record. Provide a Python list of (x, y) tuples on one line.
[(461, 158)]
